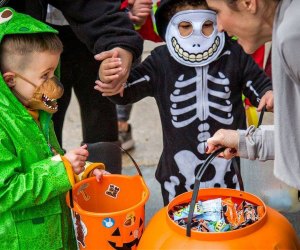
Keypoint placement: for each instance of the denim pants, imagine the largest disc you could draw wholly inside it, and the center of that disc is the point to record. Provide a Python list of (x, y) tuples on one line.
[(123, 112)]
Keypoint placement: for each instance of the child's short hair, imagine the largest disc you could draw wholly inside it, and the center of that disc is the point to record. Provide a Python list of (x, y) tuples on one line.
[(171, 9), (168, 8), (25, 44)]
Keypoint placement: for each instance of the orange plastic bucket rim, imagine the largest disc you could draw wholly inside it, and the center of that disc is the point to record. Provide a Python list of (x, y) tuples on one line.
[(78, 209), (109, 214), (212, 193), (145, 196)]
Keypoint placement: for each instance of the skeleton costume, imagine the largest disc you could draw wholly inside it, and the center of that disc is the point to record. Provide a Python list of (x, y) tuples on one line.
[(197, 82)]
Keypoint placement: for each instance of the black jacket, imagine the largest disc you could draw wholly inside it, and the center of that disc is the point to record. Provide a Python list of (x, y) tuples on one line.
[(97, 23)]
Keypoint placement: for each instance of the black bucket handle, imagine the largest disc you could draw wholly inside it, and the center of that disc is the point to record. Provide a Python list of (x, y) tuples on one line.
[(262, 112), (197, 183), (131, 158), (202, 170)]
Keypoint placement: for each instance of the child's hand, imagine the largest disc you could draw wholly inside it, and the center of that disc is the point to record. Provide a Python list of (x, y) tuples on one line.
[(77, 157), (109, 69), (109, 72), (267, 100), (99, 173), (117, 84)]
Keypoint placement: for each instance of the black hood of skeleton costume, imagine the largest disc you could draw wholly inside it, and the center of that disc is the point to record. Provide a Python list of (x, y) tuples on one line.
[(160, 19)]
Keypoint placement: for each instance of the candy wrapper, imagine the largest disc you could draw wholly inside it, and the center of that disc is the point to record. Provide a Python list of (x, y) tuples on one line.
[(217, 215), (184, 212)]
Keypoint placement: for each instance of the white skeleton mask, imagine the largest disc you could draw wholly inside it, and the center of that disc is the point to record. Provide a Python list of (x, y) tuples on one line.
[(196, 48)]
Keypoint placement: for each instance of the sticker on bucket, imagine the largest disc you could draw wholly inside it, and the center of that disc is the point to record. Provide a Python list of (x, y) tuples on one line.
[(112, 191), (108, 222), (80, 229), (130, 219)]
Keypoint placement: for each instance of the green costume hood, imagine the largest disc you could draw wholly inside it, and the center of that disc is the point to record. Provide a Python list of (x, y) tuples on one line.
[(12, 22), (33, 213)]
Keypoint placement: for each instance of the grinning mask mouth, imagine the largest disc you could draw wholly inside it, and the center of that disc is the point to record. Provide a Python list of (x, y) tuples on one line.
[(193, 39)]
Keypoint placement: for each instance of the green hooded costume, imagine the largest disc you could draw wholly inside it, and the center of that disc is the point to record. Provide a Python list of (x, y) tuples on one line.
[(33, 184)]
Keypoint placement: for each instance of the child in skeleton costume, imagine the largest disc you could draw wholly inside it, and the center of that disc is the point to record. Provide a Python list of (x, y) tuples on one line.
[(197, 80), (34, 174)]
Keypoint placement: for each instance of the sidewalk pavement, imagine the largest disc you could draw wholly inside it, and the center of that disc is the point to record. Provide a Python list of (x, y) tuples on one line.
[(147, 134)]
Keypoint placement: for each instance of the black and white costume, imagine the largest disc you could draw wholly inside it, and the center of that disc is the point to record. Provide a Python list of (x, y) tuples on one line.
[(193, 103)]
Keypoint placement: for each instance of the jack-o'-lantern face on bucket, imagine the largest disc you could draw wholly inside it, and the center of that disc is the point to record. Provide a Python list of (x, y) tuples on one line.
[(117, 237)]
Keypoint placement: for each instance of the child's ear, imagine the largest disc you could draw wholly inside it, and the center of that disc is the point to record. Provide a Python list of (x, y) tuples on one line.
[(9, 78)]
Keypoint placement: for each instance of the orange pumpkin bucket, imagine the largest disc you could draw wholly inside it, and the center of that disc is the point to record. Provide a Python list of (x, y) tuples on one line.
[(109, 214), (270, 231)]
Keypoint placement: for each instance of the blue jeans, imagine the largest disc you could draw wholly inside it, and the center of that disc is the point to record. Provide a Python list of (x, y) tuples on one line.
[(123, 112)]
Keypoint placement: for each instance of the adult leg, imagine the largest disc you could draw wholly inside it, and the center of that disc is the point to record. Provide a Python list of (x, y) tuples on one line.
[(66, 77), (79, 70), (98, 116)]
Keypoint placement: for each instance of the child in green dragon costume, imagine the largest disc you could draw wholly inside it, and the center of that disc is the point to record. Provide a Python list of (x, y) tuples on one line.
[(34, 174)]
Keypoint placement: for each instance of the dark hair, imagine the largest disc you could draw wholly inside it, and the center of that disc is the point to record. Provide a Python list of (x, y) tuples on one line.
[(171, 9), (168, 8)]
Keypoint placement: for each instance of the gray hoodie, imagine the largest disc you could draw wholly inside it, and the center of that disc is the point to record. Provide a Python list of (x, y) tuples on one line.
[(286, 85)]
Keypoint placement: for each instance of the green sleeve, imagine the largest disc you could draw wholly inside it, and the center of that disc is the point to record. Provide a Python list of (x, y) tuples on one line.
[(27, 185)]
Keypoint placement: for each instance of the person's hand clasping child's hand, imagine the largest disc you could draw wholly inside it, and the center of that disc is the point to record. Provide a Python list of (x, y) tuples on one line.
[(77, 158), (113, 71), (109, 71), (99, 173)]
